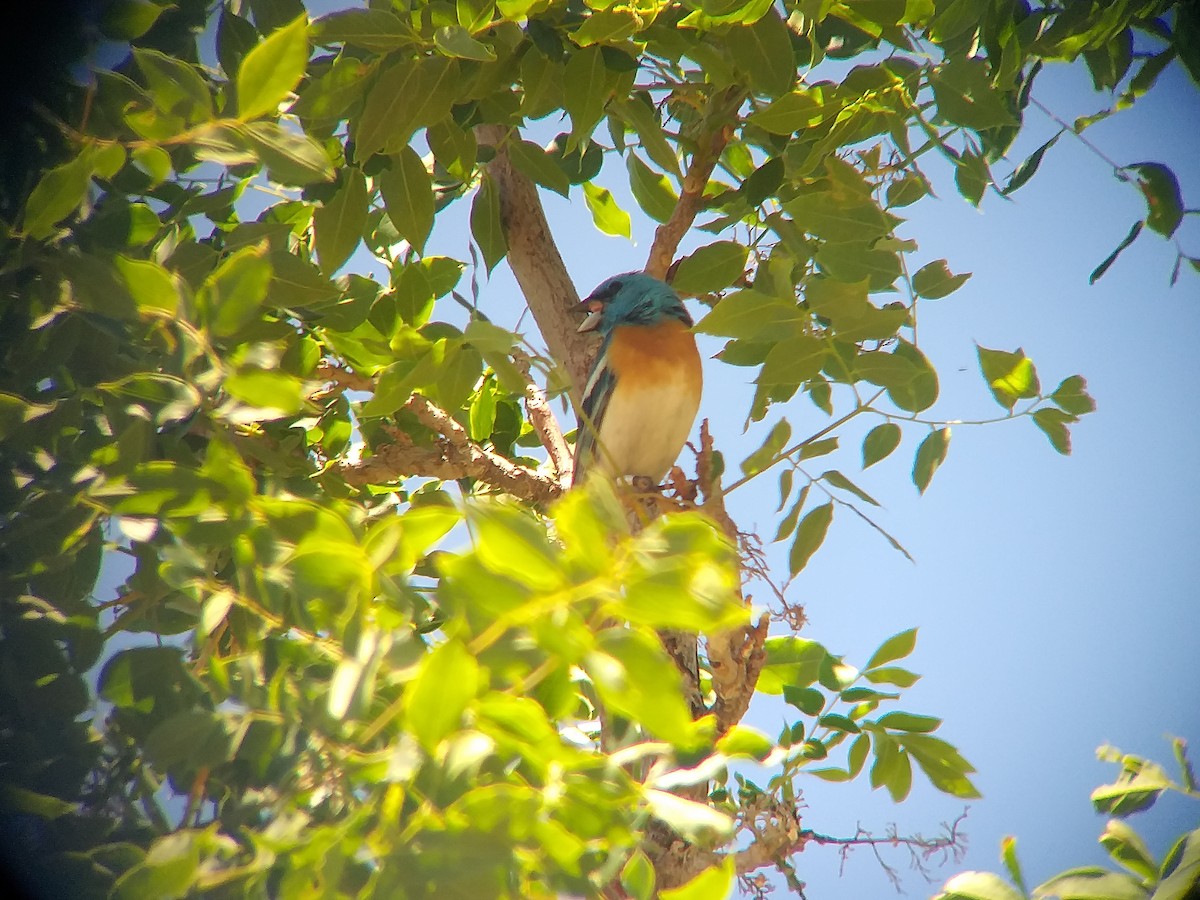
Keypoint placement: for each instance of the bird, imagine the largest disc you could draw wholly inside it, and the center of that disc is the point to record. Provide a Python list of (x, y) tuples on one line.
[(643, 390)]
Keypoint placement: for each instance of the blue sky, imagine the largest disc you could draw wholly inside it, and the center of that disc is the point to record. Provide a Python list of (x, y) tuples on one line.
[(1055, 596)]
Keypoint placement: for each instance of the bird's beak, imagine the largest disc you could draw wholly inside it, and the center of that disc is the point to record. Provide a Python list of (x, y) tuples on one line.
[(594, 309)]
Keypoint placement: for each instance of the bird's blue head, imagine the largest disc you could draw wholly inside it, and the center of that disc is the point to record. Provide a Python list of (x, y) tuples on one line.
[(634, 298)]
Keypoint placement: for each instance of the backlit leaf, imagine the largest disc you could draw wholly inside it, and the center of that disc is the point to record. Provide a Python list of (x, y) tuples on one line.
[(407, 191), (930, 455), (879, 443), (486, 226), (810, 534), (607, 216), (710, 268), (338, 224), (934, 280), (272, 70)]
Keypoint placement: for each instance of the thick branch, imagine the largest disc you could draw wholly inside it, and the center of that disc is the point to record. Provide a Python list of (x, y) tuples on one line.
[(536, 262), (453, 455), (543, 420), (735, 656)]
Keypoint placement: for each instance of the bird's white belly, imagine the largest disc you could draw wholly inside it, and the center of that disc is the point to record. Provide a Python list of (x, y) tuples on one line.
[(645, 428)]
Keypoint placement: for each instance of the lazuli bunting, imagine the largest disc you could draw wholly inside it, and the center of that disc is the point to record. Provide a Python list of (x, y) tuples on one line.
[(643, 392)]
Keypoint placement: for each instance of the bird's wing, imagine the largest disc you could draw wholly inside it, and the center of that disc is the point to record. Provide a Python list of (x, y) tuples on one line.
[(596, 396)]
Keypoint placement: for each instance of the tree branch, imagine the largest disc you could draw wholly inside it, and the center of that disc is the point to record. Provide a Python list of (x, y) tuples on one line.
[(544, 422), (736, 656), (453, 455), (536, 263), (691, 198)]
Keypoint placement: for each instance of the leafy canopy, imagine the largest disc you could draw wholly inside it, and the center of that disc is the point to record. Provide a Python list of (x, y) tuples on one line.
[(359, 646)]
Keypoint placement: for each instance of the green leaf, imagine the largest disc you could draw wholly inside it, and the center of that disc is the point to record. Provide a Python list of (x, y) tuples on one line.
[(454, 40), (791, 662), (167, 871), (486, 226), (407, 190), (585, 92), (846, 307), (153, 288), (964, 94), (839, 216), (539, 165), (810, 534), (892, 675), (652, 190), (1012, 865), (902, 721), (879, 443), (637, 877), (764, 52), (1093, 884), (712, 884), (1180, 869), (693, 822), (232, 295), (766, 453), (542, 81), (751, 315), (790, 113), (339, 223), (272, 70), (943, 765), (435, 700), (788, 523), (1053, 423), (841, 482), (59, 193), (809, 701), (1128, 849), (222, 142), (290, 158), (793, 361), (1010, 376), (190, 739), (978, 886), (409, 95), (372, 29), (174, 85), (710, 268), (607, 216), (635, 678), (124, 20), (1099, 271), (643, 117), (474, 15), (1164, 202), (972, 175), (1072, 397), (607, 26), (742, 740), (934, 280), (930, 455), (905, 373), (276, 392), (896, 647), (1028, 167), (1137, 788), (813, 449)]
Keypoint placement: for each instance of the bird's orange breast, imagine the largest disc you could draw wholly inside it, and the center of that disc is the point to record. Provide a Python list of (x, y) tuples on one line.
[(650, 355)]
